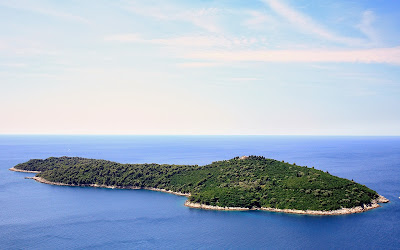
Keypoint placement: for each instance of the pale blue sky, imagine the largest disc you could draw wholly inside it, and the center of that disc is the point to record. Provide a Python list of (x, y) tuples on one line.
[(200, 67)]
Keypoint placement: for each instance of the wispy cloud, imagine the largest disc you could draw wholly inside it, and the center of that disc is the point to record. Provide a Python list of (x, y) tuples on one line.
[(3, 45), (204, 18), (244, 79), (212, 50), (379, 55), (20, 47), (365, 26), (125, 38), (189, 41), (258, 20), (306, 24), (27, 6), (25, 75), (198, 64), (13, 65)]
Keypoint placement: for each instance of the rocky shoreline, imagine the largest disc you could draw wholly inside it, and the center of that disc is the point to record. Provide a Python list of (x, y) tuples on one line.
[(209, 207), (23, 171), (342, 211), (42, 180)]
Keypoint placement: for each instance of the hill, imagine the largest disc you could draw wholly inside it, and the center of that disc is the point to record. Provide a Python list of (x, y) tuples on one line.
[(248, 182)]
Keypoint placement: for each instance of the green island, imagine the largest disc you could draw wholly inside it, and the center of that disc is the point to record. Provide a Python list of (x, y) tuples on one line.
[(245, 183)]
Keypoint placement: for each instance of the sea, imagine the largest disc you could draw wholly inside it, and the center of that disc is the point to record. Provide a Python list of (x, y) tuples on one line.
[(39, 216)]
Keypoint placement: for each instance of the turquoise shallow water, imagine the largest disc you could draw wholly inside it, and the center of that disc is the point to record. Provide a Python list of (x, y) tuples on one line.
[(39, 216)]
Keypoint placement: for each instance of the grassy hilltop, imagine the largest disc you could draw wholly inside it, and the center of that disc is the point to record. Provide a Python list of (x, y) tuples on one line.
[(254, 181)]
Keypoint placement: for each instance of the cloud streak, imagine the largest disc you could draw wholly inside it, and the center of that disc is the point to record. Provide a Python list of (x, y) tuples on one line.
[(204, 18), (306, 24), (125, 38), (379, 55), (365, 26), (258, 20), (25, 6), (198, 64), (190, 41), (22, 48), (208, 51)]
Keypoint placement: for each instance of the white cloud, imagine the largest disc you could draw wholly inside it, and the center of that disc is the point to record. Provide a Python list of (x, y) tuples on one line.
[(13, 65), (379, 55), (244, 79), (212, 50), (365, 26), (205, 18), (307, 24), (259, 20), (19, 47), (198, 64), (3, 45), (190, 41), (27, 6), (125, 38), (194, 41)]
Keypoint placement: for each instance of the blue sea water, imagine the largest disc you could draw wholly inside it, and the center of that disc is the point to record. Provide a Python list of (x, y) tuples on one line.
[(39, 216)]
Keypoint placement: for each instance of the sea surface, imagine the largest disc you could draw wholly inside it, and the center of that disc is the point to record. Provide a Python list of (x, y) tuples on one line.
[(39, 216)]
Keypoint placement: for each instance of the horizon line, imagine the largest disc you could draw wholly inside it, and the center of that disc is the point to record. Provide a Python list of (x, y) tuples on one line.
[(361, 135)]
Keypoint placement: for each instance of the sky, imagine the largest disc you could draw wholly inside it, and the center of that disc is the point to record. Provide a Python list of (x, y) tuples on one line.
[(200, 67)]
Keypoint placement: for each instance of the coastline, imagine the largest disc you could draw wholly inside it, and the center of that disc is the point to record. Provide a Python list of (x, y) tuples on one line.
[(209, 207), (343, 211), (23, 171), (42, 180)]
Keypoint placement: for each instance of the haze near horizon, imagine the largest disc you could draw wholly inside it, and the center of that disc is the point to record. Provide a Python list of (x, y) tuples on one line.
[(200, 67)]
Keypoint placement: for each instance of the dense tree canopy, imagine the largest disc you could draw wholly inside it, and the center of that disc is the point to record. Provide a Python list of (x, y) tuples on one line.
[(251, 182)]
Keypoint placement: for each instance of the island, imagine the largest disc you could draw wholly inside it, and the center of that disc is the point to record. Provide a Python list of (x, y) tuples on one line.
[(241, 183)]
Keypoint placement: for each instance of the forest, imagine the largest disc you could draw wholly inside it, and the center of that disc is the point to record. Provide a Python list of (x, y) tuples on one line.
[(250, 182)]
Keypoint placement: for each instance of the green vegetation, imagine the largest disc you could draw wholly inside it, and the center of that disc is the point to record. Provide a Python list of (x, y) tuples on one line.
[(251, 182)]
